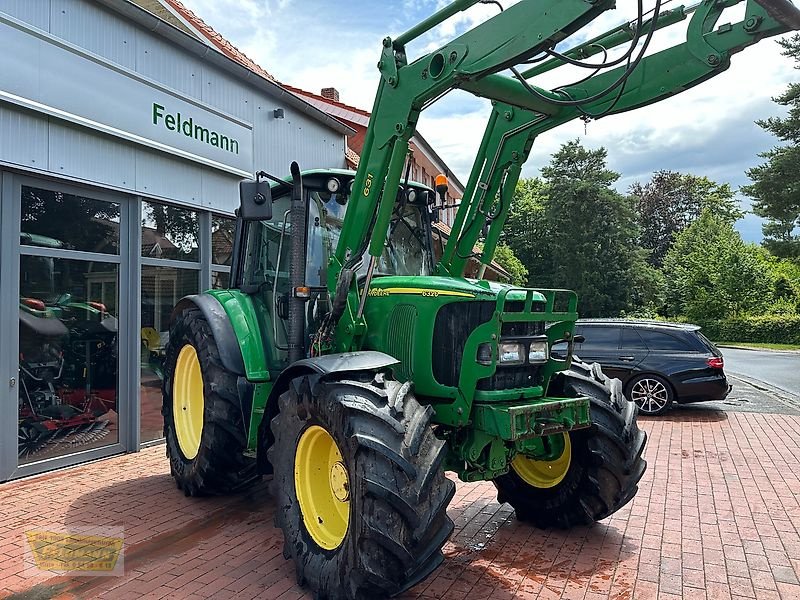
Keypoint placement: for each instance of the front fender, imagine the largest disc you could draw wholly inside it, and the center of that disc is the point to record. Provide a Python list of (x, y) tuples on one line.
[(331, 364)]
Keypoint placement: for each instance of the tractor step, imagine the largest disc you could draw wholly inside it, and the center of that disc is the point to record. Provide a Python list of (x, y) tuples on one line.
[(548, 416)]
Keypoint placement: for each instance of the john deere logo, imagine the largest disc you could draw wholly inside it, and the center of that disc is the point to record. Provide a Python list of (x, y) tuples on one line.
[(190, 129)]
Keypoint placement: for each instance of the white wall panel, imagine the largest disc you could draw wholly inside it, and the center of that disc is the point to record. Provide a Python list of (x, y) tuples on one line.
[(23, 137), (280, 141), (35, 12), (93, 28), (227, 94), (158, 174), (20, 77), (166, 64), (220, 191), (81, 153)]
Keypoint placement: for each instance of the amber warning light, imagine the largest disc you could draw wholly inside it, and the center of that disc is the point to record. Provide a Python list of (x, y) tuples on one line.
[(441, 185)]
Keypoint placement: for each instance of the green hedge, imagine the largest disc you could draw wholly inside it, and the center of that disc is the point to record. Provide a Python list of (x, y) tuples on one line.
[(767, 329)]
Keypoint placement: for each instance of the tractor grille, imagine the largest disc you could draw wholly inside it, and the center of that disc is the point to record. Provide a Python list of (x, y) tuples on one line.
[(401, 327), (454, 324)]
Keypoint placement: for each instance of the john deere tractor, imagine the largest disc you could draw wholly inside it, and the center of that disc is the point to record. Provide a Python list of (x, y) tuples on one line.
[(356, 370)]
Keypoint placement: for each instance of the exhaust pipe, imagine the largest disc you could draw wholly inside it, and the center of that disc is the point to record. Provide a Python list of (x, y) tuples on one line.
[(297, 268)]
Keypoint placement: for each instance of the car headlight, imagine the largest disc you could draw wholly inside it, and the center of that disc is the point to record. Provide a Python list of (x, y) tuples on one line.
[(511, 353), (537, 353)]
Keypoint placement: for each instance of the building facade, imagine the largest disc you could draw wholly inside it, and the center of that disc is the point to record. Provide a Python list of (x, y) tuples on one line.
[(122, 142)]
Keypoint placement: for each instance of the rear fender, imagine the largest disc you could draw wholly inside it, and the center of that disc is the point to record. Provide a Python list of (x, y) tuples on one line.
[(236, 331), (229, 352), (331, 364)]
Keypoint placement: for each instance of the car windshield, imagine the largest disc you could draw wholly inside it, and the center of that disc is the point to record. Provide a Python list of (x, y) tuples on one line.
[(407, 249)]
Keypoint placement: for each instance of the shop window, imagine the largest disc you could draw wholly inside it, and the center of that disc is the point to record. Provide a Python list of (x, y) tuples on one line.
[(52, 219), (68, 355), (162, 287), (222, 232), (220, 280), (169, 232)]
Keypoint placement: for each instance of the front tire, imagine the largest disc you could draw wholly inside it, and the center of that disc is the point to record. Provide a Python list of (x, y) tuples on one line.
[(361, 494), (604, 465), (202, 419)]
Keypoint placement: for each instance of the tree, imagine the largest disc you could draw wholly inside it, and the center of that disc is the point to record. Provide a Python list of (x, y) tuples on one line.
[(504, 256), (525, 230), (712, 274), (776, 183), (670, 202), (574, 231)]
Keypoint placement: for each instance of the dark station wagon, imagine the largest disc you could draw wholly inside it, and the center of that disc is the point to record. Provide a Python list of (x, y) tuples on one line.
[(659, 363)]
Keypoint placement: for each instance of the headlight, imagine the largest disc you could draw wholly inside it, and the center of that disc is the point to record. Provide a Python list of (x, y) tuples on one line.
[(537, 353), (511, 353)]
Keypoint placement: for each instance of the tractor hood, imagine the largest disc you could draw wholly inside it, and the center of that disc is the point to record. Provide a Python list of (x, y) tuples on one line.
[(434, 326), (444, 288)]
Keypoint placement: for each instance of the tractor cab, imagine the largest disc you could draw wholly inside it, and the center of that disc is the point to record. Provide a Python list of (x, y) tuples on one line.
[(262, 248)]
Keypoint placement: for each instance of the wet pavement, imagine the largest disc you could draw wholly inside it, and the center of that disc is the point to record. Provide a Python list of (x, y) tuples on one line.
[(717, 516)]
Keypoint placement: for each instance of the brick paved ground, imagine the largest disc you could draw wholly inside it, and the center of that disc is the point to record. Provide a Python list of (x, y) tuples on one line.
[(717, 516)]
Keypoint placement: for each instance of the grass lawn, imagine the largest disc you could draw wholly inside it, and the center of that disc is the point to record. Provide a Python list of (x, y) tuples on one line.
[(760, 346)]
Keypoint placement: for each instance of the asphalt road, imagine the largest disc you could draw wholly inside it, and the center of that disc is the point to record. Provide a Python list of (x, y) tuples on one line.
[(777, 369)]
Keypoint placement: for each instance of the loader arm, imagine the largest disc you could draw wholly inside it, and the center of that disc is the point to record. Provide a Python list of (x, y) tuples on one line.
[(522, 111), (404, 90), (511, 131)]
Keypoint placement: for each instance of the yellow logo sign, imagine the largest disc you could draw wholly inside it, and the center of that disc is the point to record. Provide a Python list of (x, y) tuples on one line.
[(56, 551)]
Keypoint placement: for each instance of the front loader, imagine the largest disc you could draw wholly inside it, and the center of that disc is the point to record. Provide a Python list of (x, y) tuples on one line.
[(347, 363)]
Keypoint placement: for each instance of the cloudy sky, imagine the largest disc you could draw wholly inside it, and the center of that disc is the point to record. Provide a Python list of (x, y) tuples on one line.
[(708, 130)]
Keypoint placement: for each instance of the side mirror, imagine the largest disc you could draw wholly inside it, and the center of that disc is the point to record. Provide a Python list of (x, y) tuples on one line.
[(578, 339), (255, 199)]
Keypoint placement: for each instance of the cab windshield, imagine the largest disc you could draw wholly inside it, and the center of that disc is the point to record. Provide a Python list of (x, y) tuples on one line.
[(407, 250)]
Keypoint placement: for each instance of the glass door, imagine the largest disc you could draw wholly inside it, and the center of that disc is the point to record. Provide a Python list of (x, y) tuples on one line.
[(8, 332), (69, 308)]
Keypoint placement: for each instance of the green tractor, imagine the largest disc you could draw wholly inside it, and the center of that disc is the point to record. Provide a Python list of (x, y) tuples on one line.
[(356, 370)]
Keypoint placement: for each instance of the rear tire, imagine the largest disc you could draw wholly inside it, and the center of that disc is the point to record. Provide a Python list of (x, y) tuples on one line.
[(395, 521), (218, 466), (606, 459)]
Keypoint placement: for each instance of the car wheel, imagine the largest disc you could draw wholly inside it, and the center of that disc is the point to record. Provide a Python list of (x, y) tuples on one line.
[(651, 393)]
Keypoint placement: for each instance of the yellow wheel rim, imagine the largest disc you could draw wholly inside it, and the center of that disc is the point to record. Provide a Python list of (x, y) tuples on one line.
[(544, 473), (187, 401), (323, 487)]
